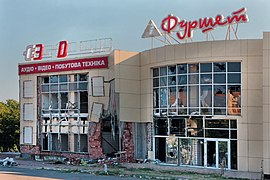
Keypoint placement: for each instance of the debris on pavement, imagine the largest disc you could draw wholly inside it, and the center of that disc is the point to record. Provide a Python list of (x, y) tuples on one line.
[(8, 162)]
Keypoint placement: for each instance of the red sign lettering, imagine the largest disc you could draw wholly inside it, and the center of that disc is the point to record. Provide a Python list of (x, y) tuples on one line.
[(39, 48), (35, 52), (62, 49), (170, 23)]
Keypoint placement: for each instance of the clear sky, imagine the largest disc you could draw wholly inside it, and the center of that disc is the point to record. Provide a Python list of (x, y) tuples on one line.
[(24, 22)]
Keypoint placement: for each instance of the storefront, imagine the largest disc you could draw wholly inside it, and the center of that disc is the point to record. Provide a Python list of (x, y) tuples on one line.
[(196, 104), (186, 100)]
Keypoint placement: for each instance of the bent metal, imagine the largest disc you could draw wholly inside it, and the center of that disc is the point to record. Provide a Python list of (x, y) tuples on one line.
[(170, 23)]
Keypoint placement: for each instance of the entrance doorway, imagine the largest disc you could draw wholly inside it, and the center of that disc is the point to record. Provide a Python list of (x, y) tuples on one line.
[(217, 154)]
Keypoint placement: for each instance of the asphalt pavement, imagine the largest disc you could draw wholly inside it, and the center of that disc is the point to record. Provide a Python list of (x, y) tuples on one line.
[(20, 173)]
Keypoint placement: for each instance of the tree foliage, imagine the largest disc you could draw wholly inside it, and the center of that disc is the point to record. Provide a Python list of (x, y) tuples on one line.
[(9, 125)]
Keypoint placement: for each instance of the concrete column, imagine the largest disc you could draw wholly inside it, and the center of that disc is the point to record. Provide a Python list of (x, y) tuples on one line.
[(266, 102), (71, 142), (71, 133)]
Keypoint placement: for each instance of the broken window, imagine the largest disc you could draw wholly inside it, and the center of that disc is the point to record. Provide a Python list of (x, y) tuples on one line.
[(155, 72), (195, 127), (161, 126), (82, 144), (72, 86), (193, 96), (46, 79), (45, 101), (67, 99), (206, 96), (85, 125), (171, 70), (182, 69), (82, 77), (193, 68), (84, 102), (220, 67), (45, 88), (64, 142), (171, 80), (45, 142), (206, 78), (54, 88), (182, 79), (202, 89), (163, 71), (63, 87), (172, 97), (193, 79), (63, 78), (220, 96), (54, 101), (156, 98), (163, 81), (177, 127), (172, 150), (64, 100), (163, 97), (155, 82), (54, 142), (83, 86), (54, 79), (191, 152), (234, 100), (160, 143), (182, 96)]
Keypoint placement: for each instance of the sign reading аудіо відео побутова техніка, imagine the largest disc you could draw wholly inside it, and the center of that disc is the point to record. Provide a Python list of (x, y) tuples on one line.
[(68, 65)]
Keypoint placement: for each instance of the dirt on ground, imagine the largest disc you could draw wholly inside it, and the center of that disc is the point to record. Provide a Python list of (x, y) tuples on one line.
[(138, 170)]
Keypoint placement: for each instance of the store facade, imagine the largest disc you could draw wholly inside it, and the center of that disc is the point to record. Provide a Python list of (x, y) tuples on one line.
[(198, 104)]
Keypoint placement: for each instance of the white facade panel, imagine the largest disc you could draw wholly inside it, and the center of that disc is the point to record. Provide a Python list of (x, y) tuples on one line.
[(27, 135), (28, 90), (97, 86), (28, 112)]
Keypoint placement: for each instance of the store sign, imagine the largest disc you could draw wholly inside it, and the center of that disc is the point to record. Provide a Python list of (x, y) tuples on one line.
[(71, 65), (173, 23), (35, 52)]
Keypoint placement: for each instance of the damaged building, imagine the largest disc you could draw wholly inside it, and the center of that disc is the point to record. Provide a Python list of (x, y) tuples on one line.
[(198, 104), (75, 113)]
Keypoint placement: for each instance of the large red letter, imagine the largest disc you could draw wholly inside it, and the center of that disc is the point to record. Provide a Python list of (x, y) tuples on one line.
[(62, 49), (38, 51)]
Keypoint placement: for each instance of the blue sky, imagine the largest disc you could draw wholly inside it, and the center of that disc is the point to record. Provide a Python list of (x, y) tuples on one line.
[(49, 21)]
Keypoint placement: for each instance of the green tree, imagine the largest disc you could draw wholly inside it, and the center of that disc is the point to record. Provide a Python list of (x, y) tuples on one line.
[(9, 125)]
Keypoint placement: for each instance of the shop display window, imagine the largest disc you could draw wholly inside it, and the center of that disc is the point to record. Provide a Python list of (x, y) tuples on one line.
[(201, 89)]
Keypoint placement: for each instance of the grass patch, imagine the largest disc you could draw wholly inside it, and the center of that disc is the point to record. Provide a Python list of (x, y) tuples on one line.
[(70, 170), (146, 169)]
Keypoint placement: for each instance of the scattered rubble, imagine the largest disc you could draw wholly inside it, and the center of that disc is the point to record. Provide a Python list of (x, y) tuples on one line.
[(8, 162)]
